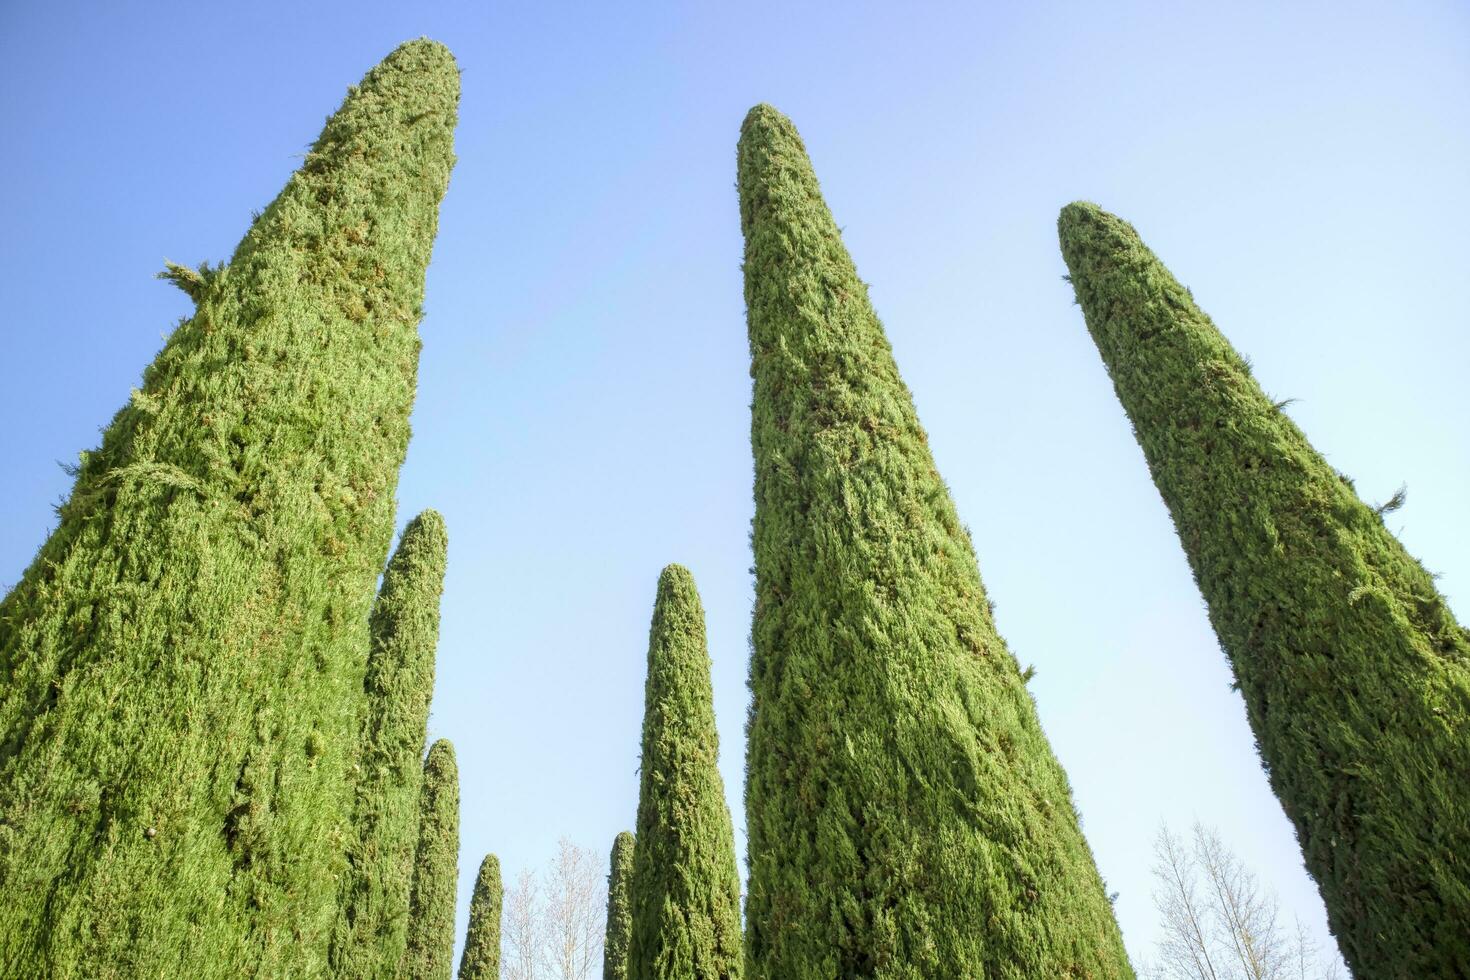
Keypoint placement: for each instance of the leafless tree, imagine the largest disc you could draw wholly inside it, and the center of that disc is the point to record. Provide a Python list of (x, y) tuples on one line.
[(1220, 923), (524, 931), (553, 922), (576, 899)]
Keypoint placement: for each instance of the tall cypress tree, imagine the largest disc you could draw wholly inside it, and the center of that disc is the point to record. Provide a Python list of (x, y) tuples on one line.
[(398, 686), (481, 957), (685, 889), (906, 815), (1356, 676), (181, 664), (619, 909), (430, 952)]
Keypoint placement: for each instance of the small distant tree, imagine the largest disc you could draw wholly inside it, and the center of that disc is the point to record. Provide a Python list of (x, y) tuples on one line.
[(574, 911), (685, 892), (1220, 922), (619, 909), (553, 922), (430, 952), (524, 930), (481, 957)]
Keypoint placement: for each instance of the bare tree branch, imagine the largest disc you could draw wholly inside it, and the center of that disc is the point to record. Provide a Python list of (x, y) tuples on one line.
[(524, 930), (1228, 929), (1185, 947)]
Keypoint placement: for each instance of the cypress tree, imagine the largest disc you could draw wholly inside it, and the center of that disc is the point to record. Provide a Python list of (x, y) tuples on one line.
[(619, 909), (430, 952), (180, 666), (1354, 672), (685, 888), (906, 816), (398, 685), (481, 957)]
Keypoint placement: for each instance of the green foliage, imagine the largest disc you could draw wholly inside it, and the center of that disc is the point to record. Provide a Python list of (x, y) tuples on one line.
[(430, 952), (481, 957), (181, 665), (906, 816), (1354, 672), (685, 889), (398, 685), (619, 909)]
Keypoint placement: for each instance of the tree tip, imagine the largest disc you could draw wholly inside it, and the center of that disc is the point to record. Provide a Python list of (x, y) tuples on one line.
[(428, 68), (429, 520), (1084, 227), (425, 52), (675, 577), (442, 750), (765, 120), (1079, 213), (625, 838)]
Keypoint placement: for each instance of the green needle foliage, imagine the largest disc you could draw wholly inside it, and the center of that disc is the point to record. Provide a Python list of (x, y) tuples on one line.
[(619, 909), (398, 686), (906, 815), (1354, 672), (686, 888), (181, 665), (430, 953), (481, 957)]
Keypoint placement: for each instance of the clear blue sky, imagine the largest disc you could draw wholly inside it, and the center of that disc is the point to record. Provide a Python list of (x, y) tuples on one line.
[(582, 416)]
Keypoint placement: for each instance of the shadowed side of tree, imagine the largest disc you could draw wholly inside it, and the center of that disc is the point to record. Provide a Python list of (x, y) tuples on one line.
[(1355, 675), (481, 957), (906, 816), (619, 909), (430, 952), (181, 665), (686, 888), (398, 686)]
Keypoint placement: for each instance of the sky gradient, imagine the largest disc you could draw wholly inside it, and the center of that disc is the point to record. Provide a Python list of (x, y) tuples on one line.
[(583, 407)]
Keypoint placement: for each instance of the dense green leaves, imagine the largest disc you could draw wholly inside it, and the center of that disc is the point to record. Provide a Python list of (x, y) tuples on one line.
[(619, 909), (430, 952), (1355, 674), (398, 685), (906, 816), (481, 957), (182, 664), (686, 889)]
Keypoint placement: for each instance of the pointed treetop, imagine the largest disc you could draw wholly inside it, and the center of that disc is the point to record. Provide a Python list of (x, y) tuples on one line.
[(905, 814), (1350, 663), (619, 909), (481, 957), (250, 485), (430, 952), (685, 891)]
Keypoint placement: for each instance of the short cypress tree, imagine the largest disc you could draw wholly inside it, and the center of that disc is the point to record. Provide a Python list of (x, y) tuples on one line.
[(430, 953), (1356, 676), (685, 889), (481, 957), (398, 686), (181, 665), (906, 816), (619, 909)]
